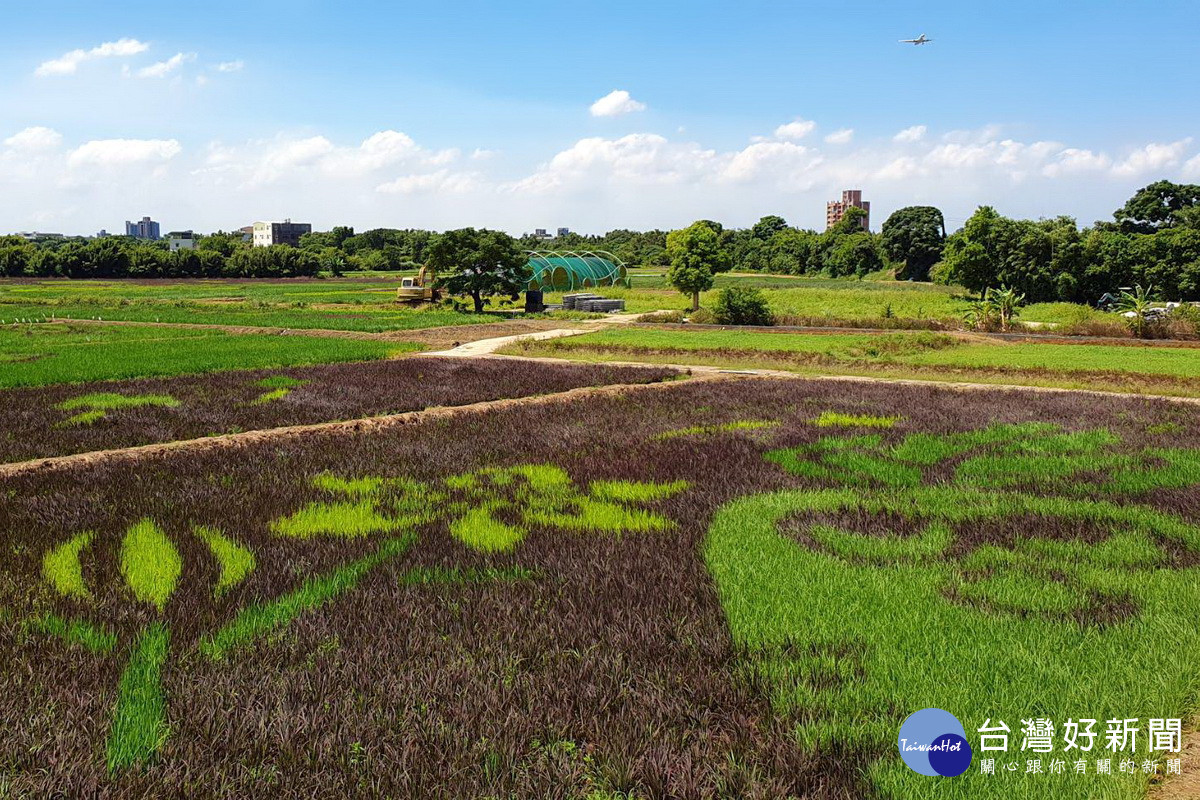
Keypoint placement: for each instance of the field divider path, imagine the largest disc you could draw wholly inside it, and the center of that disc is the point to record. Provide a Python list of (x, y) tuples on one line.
[(352, 426), (705, 370)]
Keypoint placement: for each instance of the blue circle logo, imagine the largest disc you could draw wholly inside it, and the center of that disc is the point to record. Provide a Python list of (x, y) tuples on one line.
[(933, 742)]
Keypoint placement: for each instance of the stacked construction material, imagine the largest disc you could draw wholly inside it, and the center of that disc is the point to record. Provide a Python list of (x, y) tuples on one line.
[(569, 300), (600, 305)]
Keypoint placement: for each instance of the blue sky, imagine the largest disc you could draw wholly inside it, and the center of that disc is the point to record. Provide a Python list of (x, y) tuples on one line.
[(371, 113)]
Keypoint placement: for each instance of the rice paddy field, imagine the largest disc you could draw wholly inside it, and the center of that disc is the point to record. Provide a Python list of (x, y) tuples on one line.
[(711, 588), (1152, 368), (51, 353), (76, 418)]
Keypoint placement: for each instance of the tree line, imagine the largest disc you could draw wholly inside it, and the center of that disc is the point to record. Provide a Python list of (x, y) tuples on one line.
[(1153, 240)]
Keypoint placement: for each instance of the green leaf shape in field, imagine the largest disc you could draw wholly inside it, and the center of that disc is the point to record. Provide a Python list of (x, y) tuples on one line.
[(490, 509), (235, 561), (62, 569), (150, 563), (139, 722), (494, 508), (97, 405), (1031, 455)]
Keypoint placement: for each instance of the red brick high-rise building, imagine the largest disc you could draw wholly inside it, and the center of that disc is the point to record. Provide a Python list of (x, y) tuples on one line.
[(851, 198)]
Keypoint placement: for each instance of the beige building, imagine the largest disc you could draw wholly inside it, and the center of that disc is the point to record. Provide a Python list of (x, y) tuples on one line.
[(851, 198), (286, 232)]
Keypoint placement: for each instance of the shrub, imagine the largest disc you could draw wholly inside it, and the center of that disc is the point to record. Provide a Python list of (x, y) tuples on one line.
[(743, 305), (702, 316)]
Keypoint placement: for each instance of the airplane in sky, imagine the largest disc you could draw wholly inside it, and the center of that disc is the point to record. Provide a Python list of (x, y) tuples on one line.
[(919, 40)]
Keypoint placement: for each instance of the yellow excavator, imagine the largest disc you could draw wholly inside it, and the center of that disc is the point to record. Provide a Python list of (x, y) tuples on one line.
[(417, 289)]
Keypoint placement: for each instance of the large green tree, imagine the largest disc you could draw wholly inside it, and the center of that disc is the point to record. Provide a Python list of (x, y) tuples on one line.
[(1160, 205), (695, 253), (914, 236), (478, 264)]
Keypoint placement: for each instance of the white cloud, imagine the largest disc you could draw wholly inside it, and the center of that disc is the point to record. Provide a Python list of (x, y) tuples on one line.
[(914, 134), (1191, 169), (1151, 158), (639, 180), (35, 138), (122, 152), (840, 137), (164, 68), (797, 129), (230, 66), (68, 63), (439, 182), (616, 103)]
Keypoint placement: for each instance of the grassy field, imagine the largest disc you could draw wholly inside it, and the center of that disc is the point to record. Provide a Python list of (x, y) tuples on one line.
[(933, 356), (495, 606), (365, 304), (49, 353)]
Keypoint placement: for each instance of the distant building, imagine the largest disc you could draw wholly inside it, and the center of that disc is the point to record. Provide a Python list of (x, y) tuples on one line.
[(563, 231), (144, 229), (100, 234), (286, 232), (851, 198), (181, 240), (33, 236)]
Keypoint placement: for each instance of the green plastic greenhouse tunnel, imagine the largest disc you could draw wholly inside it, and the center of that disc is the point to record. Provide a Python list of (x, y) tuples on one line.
[(568, 271)]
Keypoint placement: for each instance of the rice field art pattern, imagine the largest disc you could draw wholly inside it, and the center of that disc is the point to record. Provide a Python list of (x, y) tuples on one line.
[(1007, 572), (146, 569)]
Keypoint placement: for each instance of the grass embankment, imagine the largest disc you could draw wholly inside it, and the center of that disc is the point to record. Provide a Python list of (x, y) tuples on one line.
[(924, 356), (43, 354)]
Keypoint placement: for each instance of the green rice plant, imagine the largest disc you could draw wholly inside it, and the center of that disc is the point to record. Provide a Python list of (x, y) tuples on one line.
[(139, 723), (346, 519), (62, 569), (354, 487), (98, 405), (235, 561), (724, 427), (150, 563), (280, 382), (88, 636), (947, 609), (271, 396), (479, 530), (835, 419)]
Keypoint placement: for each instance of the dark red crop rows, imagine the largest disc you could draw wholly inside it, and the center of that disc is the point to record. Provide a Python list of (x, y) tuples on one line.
[(611, 667), (32, 427)]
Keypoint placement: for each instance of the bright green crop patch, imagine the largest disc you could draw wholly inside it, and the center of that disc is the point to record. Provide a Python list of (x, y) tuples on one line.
[(139, 723), (88, 636), (724, 427), (150, 563), (235, 562), (97, 405), (835, 419), (43, 354), (350, 520)]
